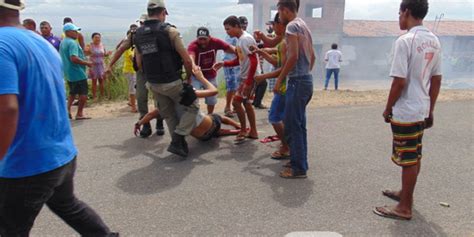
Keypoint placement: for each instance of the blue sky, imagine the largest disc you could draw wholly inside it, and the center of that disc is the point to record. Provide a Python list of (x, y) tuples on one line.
[(116, 15)]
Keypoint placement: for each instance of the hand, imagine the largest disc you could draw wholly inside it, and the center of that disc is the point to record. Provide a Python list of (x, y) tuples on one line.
[(196, 68), (197, 71), (108, 70), (137, 129), (218, 66), (258, 35), (387, 115), (89, 63), (429, 121), (277, 87), (259, 79)]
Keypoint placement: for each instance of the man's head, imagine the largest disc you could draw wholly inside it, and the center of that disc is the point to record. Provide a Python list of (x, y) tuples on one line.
[(71, 31), (203, 37), (67, 20), (29, 24), (45, 28), (232, 26), (288, 10), (334, 46), (412, 12), (10, 12), (244, 22), (157, 10), (133, 28)]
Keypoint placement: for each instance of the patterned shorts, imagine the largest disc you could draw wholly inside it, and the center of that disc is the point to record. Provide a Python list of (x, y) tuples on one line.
[(407, 143), (232, 78)]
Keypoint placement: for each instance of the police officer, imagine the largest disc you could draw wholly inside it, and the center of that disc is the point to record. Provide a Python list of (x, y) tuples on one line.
[(142, 90), (161, 52)]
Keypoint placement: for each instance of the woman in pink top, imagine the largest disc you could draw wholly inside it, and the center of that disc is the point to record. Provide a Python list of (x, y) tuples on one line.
[(96, 52)]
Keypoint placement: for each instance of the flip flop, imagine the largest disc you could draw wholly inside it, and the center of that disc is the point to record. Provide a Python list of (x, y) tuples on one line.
[(277, 155), (239, 139), (391, 194), (389, 213), (270, 139), (228, 114), (250, 137), (83, 118)]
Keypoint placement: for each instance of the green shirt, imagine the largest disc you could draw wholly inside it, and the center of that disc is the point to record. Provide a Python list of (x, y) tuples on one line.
[(72, 72), (279, 60)]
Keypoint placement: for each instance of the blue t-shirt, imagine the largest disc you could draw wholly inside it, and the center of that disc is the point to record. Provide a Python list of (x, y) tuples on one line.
[(30, 68), (72, 72), (232, 41)]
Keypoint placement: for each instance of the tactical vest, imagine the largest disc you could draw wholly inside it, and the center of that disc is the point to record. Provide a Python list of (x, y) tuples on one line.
[(161, 62)]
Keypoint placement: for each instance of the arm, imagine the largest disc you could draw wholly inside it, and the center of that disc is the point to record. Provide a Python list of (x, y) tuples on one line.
[(77, 60), (80, 38), (267, 41), (434, 92), (313, 59), (398, 85), (271, 59), (179, 47), (139, 58), (231, 50), (124, 45), (9, 119), (253, 69), (210, 90), (277, 72)]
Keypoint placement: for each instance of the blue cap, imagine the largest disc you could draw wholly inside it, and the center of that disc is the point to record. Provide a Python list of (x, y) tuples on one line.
[(70, 26)]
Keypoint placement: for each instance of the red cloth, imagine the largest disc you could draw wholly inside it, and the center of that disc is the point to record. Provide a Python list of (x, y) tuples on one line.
[(206, 58)]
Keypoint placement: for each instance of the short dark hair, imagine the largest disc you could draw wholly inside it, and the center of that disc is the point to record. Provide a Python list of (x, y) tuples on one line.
[(43, 23), (94, 34), (29, 22), (232, 21), (418, 8), (277, 18), (334, 46), (67, 20), (155, 11), (292, 5)]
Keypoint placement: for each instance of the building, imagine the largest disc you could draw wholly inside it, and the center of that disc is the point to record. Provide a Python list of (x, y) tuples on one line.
[(367, 45)]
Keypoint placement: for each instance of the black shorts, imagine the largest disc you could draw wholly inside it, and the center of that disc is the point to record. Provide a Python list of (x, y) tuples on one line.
[(78, 87), (407, 143), (214, 130)]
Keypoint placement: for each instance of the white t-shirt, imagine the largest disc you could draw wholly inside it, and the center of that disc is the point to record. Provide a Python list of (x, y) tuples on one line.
[(333, 59), (417, 58), (243, 50)]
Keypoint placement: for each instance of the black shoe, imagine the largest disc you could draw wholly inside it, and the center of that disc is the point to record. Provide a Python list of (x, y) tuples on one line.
[(185, 146), (160, 130), (177, 146), (260, 106), (146, 131)]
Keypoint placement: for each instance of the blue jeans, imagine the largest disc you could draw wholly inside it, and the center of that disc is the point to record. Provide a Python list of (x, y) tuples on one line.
[(298, 95), (329, 73)]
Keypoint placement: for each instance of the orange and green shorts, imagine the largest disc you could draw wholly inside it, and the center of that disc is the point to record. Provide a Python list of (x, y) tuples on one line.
[(407, 143)]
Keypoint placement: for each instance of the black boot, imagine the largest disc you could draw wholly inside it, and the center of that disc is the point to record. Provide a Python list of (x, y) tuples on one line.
[(177, 145), (146, 131), (160, 130)]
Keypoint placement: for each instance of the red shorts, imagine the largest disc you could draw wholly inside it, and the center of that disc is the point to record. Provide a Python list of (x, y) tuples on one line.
[(240, 95)]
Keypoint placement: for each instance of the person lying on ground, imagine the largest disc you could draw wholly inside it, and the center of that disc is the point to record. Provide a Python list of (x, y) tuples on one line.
[(207, 126)]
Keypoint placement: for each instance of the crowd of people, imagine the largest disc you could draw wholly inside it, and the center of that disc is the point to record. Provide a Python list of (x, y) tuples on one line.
[(37, 152)]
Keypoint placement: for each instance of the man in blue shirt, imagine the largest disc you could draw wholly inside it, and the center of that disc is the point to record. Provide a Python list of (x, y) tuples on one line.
[(37, 152), (45, 29), (75, 64)]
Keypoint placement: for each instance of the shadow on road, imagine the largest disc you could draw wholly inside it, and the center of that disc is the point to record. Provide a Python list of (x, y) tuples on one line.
[(418, 226), (289, 193)]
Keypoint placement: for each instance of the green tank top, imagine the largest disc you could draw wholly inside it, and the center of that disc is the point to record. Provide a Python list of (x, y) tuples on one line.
[(279, 64)]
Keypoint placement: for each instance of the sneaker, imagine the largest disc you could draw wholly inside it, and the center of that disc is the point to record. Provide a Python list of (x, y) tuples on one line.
[(177, 145), (160, 130), (261, 106), (146, 131)]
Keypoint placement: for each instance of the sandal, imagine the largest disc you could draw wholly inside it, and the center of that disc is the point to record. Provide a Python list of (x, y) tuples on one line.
[(277, 155), (391, 194), (83, 118), (270, 139), (289, 173), (251, 137), (287, 165), (240, 139), (228, 114), (389, 213)]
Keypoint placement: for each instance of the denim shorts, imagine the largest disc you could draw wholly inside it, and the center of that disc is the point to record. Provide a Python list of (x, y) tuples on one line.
[(212, 100), (232, 78), (277, 109)]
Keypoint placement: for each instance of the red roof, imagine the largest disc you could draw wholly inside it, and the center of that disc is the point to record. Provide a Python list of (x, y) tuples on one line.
[(362, 28)]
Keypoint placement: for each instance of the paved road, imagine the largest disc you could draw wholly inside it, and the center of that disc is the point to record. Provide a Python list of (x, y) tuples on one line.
[(226, 190)]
